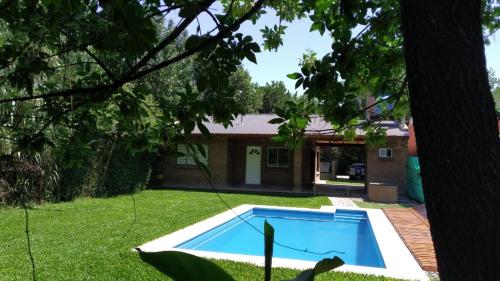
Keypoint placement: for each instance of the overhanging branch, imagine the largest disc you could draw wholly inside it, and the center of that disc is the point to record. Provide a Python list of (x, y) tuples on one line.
[(134, 73)]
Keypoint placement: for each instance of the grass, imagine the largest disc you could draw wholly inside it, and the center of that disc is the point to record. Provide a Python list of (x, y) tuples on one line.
[(346, 182), (372, 205), (91, 239)]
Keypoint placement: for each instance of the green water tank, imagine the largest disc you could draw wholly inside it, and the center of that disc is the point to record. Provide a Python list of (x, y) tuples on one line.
[(414, 181)]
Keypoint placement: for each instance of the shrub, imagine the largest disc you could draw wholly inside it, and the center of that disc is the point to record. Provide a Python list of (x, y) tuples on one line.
[(126, 172), (72, 183), (20, 181)]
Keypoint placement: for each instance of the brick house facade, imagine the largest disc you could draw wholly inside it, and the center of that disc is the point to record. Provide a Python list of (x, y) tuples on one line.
[(278, 167)]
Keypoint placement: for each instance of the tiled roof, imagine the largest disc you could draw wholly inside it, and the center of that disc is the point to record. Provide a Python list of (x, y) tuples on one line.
[(257, 124)]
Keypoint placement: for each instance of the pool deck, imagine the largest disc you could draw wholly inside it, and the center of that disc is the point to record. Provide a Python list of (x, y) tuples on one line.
[(413, 228)]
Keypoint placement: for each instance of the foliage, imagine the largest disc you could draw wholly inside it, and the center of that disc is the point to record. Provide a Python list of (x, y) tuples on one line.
[(272, 37), (20, 181), (274, 95), (345, 156), (81, 140), (186, 267), (82, 73), (246, 93), (72, 183), (127, 172), (496, 96), (297, 114), (108, 63), (495, 88)]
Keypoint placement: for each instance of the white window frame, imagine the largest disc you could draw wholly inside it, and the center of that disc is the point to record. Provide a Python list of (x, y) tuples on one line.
[(278, 165), (385, 153), (188, 159)]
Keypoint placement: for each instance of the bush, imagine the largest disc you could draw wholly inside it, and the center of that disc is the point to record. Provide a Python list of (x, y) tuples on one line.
[(126, 172), (72, 183), (20, 181)]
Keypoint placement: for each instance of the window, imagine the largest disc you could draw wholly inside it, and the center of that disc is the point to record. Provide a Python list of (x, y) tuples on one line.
[(188, 159), (385, 152), (277, 157)]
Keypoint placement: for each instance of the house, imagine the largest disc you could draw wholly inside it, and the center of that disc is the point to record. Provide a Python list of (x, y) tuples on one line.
[(244, 156)]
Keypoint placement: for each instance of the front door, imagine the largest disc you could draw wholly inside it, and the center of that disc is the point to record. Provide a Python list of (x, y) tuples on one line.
[(252, 171)]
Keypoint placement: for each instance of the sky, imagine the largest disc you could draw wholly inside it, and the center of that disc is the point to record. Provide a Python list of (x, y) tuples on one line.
[(297, 40)]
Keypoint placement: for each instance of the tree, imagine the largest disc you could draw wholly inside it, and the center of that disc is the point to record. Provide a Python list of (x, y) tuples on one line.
[(117, 44), (90, 137), (246, 93), (461, 176), (274, 95)]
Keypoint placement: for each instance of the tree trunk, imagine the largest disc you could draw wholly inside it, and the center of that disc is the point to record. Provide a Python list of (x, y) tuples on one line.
[(457, 134)]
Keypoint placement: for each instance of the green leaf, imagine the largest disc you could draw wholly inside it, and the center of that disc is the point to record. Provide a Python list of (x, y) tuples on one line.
[(301, 122), (251, 57), (321, 267), (299, 82), (276, 121), (254, 47), (192, 42), (247, 39), (305, 70), (203, 129), (325, 265), (350, 134), (294, 76), (184, 267), (268, 249), (279, 139), (201, 149)]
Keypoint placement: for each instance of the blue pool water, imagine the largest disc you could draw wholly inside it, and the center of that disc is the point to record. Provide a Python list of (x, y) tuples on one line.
[(345, 231)]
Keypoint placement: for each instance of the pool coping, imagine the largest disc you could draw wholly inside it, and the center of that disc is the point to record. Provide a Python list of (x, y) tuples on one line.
[(398, 260)]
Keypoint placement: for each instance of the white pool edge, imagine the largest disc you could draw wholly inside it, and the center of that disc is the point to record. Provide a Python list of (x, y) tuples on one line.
[(398, 260)]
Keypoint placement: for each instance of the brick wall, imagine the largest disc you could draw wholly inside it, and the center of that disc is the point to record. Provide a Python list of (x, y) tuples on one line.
[(227, 160), (270, 176), (190, 176), (389, 170)]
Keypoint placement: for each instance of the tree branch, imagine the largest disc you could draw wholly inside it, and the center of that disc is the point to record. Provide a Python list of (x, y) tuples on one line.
[(160, 12), (217, 23), (170, 38), (205, 43), (132, 75), (101, 64)]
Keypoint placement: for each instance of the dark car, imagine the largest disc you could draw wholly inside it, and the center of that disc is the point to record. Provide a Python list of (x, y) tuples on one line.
[(357, 171)]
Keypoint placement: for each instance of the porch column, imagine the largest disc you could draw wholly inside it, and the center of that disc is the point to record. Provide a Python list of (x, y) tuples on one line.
[(317, 173), (297, 169)]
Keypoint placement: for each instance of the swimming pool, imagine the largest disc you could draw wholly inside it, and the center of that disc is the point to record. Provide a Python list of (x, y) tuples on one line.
[(363, 238), (307, 235)]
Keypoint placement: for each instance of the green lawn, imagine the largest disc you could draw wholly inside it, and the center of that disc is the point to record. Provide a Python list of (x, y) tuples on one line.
[(346, 182), (372, 205), (88, 239)]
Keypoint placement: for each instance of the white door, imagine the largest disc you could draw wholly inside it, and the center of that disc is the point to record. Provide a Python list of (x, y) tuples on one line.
[(252, 173)]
